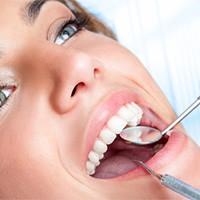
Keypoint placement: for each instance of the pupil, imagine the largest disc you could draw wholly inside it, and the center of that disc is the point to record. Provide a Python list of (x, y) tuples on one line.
[(68, 31)]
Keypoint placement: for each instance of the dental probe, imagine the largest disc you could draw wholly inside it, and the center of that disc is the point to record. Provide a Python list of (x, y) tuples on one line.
[(173, 183)]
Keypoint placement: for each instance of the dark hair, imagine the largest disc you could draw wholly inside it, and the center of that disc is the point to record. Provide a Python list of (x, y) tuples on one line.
[(95, 24)]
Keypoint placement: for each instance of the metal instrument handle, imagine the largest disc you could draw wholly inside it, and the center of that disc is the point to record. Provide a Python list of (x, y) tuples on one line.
[(183, 115), (180, 187)]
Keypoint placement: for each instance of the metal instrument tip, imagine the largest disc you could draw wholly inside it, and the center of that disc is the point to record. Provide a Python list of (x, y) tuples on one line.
[(157, 175)]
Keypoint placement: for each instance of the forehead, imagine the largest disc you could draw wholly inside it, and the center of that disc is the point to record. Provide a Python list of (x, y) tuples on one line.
[(9, 8), (9, 16), (22, 8)]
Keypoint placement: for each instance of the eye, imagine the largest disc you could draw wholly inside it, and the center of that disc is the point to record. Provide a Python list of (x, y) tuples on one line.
[(69, 29), (67, 32), (5, 92)]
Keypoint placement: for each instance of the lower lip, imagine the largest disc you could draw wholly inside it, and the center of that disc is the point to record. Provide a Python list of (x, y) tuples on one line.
[(175, 145)]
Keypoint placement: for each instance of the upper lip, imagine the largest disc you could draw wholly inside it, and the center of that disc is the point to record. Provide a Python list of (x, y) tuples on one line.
[(109, 107)]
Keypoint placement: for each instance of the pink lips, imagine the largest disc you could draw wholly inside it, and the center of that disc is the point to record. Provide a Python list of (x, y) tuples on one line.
[(175, 145), (109, 107)]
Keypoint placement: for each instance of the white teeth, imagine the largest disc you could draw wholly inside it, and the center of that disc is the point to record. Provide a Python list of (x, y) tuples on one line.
[(107, 136), (101, 155), (135, 108), (135, 121), (137, 114), (100, 146), (94, 157), (130, 114), (91, 172), (90, 166), (116, 124), (125, 113)]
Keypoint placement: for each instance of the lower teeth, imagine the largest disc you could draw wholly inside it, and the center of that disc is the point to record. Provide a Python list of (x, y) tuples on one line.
[(157, 148)]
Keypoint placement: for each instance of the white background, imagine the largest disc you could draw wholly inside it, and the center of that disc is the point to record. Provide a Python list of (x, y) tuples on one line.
[(165, 35)]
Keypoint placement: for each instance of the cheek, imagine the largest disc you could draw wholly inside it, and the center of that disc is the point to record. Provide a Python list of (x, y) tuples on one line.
[(115, 58), (28, 158), (30, 162), (121, 64)]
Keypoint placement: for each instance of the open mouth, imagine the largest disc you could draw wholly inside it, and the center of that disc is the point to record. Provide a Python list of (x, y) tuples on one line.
[(111, 156)]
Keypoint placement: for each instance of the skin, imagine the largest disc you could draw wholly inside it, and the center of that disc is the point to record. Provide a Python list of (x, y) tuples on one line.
[(43, 128)]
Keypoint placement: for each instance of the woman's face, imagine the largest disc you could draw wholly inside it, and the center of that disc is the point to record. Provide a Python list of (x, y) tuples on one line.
[(63, 97)]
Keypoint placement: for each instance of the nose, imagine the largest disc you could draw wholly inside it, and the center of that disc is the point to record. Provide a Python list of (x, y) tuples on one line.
[(75, 73), (63, 75)]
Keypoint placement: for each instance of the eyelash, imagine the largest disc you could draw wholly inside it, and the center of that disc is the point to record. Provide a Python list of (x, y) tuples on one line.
[(75, 25)]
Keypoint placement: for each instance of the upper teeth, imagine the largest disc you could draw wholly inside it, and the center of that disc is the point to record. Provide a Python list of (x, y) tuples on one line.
[(129, 114)]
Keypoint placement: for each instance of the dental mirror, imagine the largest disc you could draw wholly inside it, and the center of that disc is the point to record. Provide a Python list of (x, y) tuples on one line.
[(144, 135)]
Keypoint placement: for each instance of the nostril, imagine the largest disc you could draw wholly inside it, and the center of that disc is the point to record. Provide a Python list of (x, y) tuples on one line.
[(74, 91), (97, 73), (77, 87)]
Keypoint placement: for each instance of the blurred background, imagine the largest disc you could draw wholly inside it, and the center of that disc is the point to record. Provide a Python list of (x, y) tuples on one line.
[(165, 36)]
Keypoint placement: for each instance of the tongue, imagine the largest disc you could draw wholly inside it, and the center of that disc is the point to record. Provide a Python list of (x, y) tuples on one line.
[(114, 166), (119, 161)]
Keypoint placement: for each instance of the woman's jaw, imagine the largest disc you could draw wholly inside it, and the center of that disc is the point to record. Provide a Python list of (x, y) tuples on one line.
[(108, 157)]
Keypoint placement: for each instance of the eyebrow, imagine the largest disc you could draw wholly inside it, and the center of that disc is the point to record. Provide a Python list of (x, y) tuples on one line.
[(32, 9)]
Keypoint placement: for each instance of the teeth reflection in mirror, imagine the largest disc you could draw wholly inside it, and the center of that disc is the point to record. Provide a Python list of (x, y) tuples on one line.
[(137, 139), (116, 124), (100, 146), (132, 137), (137, 133), (107, 136)]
